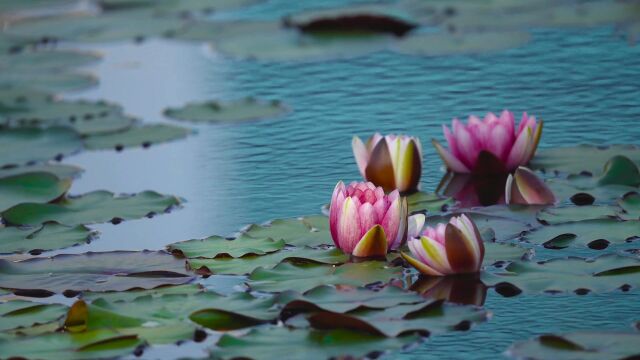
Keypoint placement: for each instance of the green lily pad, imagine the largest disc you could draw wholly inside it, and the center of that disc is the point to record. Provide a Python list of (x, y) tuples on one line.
[(94, 207), (62, 171), (134, 136), (27, 145), (602, 274), (584, 189), (432, 203), (113, 26), (16, 99), (175, 6), (238, 111), (581, 158), (340, 300), (106, 271), (497, 252), (49, 236), (558, 215), (630, 205), (115, 296), (38, 187), (442, 44), (425, 318), (305, 231), (237, 311), (596, 234), (280, 342), (578, 346), (45, 61), (19, 314), (48, 81), (87, 118), (218, 246), (246, 264), (302, 277)]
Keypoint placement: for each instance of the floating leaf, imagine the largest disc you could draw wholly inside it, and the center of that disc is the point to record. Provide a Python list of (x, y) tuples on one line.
[(602, 274), (559, 215), (26, 145), (346, 299), (237, 111), (501, 228), (94, 207), (247, 264), (423, 318), (38, 187), (49, 81), (280, 342), (497, 252), (131, 295), (579, 346), (45, 61), (630, 205), (106, 271), (582, 158), (18, 314), (430, 202), (49, 236), (237, 311), (302, 277), (175, 6), (466, 289), (584, 190), (309, 231), (143, 136), (596, 234), (62, 171), (440, 44), (217, 246)]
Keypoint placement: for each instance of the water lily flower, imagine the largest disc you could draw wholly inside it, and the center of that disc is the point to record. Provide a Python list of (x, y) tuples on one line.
[(365, 222), (393, 162), (492, 145), (452, 248), (525, 188)]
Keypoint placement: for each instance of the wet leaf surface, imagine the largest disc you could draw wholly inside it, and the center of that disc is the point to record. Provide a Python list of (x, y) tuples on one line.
[(62, 171), (238, 111), (21, 314), (94, 207), (583, 233), (48, 236), (38, 187), (306, 231), (218, 246), (581, 158), (145, 136), (630, 205), (26, 145), (576, 213)]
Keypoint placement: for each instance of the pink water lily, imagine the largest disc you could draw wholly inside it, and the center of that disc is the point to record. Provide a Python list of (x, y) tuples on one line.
[(393, 162), (446, 249), (364, 221), (491, 145), (525, 188)]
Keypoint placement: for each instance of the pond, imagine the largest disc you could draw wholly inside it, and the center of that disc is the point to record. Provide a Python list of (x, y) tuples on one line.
[(582, 81)]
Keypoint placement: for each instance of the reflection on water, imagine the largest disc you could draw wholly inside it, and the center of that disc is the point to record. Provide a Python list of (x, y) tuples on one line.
[(584, 84), (464, 289), (474, 190)]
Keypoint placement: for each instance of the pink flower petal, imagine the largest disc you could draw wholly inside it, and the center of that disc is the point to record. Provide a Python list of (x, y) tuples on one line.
[(416, 222), (349, 225), (360, 153), (450, 161)]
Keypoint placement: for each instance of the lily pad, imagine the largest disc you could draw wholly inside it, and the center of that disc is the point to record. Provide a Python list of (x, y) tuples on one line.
[(38, 187), (578, 346), (602, 274), (596, 234), (582, 158), (113, 26), (45, 61), (106, 271), (134, 136), (48, 81), (236, 311), (49, 236), (497, 252), (94, 207), (29, 145), (246, 264), (115, 296), (441, 44), (19, 313), (16, 99), (305, 231), (280, 342), (557, 215), (238, 111), (217, 246), (430, 202), (344, 299), (62, 171), (424, 318), (176, 6), (302, 277), (630, 205), (585, 190)]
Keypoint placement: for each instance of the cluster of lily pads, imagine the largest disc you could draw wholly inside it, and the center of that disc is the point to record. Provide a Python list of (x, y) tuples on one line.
[(329, 286)]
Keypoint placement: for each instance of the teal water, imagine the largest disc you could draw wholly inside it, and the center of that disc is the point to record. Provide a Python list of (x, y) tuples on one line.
[(583, 83)]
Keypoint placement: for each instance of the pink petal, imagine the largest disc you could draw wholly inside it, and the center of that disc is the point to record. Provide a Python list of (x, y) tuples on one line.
[(349, 232), (368, 218), (533, 189), (450, 161), (360, 153), (337, 199), (466, 143), (518, 153), (391, 221), (416, 222)]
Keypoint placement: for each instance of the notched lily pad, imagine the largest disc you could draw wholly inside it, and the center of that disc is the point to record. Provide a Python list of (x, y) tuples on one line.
[(558, 215), (135, 136), (48, 236), (31, 145), (630, 204), (218, 246), (579, 346), (94, 207), (37, 187), (238, 111), (602, 274), (305, 231), (62, 171), (432, 203), (581, 158), (20, 314), (105, 271)]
